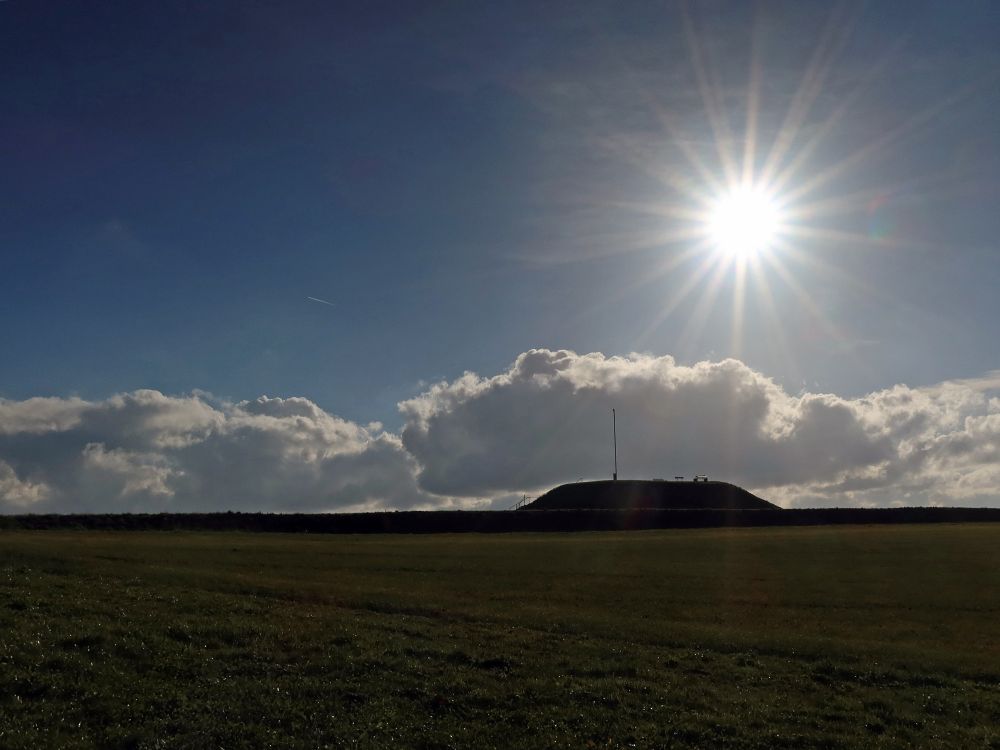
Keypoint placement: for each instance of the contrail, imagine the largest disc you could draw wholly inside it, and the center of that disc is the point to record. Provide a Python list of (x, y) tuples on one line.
[(321, 301)]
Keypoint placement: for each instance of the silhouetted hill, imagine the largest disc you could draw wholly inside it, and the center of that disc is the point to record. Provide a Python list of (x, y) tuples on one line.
[(628, 494)]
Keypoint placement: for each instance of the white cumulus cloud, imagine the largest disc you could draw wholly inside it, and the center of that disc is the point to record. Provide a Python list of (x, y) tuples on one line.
[(479, 441), (546, 419), (145, 451)]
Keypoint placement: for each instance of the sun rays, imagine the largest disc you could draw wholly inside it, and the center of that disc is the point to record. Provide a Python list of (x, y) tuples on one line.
[(762, 192), (753, 225), (751, 207)]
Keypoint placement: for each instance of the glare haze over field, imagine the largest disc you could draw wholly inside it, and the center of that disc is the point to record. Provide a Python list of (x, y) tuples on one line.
[(325, 256)]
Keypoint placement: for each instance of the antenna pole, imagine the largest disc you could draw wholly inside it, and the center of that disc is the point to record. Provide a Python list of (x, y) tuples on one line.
[(614, 433)]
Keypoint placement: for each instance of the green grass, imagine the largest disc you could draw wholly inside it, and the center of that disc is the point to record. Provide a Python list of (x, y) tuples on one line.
[(793, 637)]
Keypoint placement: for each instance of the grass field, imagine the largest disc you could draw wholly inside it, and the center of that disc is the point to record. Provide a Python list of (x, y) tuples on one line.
[(793, 637)]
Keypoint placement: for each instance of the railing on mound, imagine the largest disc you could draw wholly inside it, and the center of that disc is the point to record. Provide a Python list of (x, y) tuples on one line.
[(525, 499)]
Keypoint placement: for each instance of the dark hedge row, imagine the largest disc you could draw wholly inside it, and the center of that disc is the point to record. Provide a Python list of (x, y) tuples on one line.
[(428, 522)]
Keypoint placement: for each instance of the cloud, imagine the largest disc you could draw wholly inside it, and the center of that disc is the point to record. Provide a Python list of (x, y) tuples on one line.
[(37, 415), (17, 494), (546, 420), (145, 451), (480, 441)]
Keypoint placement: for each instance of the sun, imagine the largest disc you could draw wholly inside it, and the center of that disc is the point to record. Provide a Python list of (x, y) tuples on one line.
[(743, 223)]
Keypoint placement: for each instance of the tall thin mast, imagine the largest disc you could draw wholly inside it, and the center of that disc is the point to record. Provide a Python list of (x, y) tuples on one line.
[(614, 433)]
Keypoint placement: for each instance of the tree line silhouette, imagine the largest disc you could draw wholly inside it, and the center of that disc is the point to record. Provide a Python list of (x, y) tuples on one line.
[(456, 521)]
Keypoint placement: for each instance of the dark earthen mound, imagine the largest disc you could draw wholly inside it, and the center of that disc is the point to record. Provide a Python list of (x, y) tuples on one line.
[(626, 494)]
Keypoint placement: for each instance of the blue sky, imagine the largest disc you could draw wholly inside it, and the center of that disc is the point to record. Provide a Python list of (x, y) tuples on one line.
[(464, 182)]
